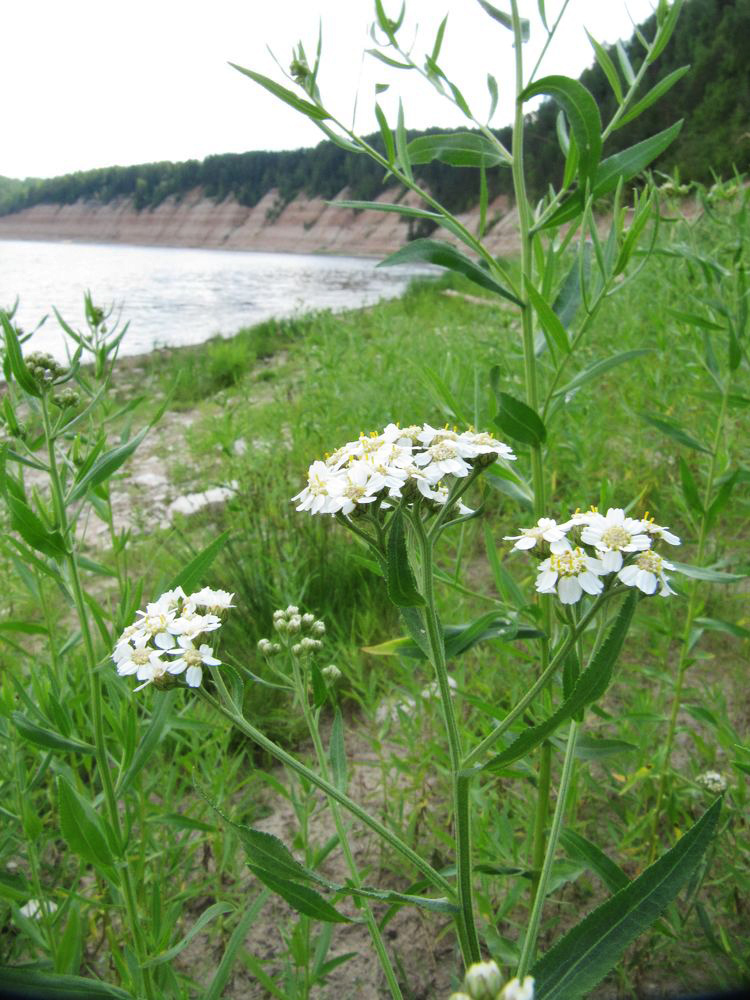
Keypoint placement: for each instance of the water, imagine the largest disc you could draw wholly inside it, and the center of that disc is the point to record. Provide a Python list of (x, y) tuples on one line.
[(178, 296)]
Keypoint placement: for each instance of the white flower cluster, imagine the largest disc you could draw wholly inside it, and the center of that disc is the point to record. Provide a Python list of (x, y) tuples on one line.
[(591, 545), (171, 627), (378, 467), (713, 782), (483, 981)]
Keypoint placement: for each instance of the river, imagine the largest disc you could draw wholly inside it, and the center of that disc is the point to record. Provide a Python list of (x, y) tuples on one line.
[(172, 296)]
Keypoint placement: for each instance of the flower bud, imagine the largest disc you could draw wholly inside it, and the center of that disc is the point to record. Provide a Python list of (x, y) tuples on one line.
[(281, 624), (515, 990), (264, 647), (307, 620), (297, 649), (319, 628), (309, 644), (294, 624), (459, 996), (292, 610), (279, 614), (483, 981), (332, 673)]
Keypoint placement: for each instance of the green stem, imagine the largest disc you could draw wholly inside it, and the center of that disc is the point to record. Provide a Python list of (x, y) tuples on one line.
[(95, 693), (532, 931), (237, 719), (692, 612), (541, 816), (460, 784), (361, 904)]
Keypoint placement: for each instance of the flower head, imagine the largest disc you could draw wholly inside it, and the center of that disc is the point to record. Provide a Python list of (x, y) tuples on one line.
[(571, 573), (545, 530), (614, 533), (713, 782), (483, 981), (647, 573)]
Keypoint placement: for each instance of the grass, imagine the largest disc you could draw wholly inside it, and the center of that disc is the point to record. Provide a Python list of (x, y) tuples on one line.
[(295, 389)]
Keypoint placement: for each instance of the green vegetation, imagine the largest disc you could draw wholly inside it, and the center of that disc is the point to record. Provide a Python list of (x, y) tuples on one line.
[(713, 98)]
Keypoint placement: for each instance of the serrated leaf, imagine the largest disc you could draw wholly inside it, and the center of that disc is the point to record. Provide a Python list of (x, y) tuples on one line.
[(301, 898), (519, 421), (447, 256), (14, 358), (402, 587), (586, 954), (285, 95), (590, 686), (583, 114)]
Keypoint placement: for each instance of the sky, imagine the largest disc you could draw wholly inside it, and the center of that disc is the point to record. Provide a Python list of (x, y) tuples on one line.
[(93, 83)]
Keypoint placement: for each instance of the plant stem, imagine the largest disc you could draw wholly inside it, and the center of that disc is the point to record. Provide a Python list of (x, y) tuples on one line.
[(532, 931), (101, 756), (433, 876), (460, 784)]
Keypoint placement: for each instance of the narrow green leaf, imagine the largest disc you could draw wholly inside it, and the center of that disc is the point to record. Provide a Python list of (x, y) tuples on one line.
[(689, 488), (402, 587), (301, 898), (386, 134), (209, 914), (30, 527), (236, 942), (402, 146), (46, 738), (587, 953), (579, 848), (380, 206), (583, 114), (382, 57), (337, 751), (285, 95), (595, 748), (105, 466), (665, 31), (265, 851), (519, 421), (494, 95), (608, 67), (26, 628), (505, 19), (625, 66), (598, 368), (402, 899), (194, 573), (621, 166), (717, 625), (447, 256), (550, 321), (694, 319), (149, 740), (58, 987), (459, 638), (14, 358), (81, 827), (435, 55), (707, 575), (458, 149), (674, 431), (653, 95), (591, 685)]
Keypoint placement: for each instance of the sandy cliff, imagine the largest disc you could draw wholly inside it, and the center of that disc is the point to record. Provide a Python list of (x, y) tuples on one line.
[(305, 225)]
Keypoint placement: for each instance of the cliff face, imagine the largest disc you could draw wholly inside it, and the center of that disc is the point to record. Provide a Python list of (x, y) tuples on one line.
[(305, 225)]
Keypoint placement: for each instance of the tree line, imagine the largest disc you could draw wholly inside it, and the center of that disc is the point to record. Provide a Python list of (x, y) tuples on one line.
[(713, 98)]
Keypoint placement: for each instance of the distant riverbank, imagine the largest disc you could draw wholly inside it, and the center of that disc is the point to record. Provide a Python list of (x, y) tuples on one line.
[(303, 225)]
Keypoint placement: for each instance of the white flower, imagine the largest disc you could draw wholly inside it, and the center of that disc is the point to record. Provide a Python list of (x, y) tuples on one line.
[(137, 659), (515, 990), (612, 534), (646, 573), (357, 484), (214, 601), (580, 518), (443, 458), (483, 981), (155, 624), (545, 530), (315, 496), (440, 495), (192, 660), (571, 573), (663, 534), (34, 909), (191, 624), (712, 781), (482, 443)]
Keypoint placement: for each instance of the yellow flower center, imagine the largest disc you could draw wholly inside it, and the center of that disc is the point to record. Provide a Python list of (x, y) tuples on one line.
[(569, 563), (616, 537), (650, 561)]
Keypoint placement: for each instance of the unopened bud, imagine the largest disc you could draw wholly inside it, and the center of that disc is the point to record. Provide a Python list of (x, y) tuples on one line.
[(297, 649), (516, 990), (294, 624), (292, 610), (332, 673), (279, 614), (265, 647), (281, 624), (307, 620), (483, 981), (319, 628)]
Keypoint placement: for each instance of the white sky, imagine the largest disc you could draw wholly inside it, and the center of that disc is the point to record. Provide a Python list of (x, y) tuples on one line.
[(92, 83)]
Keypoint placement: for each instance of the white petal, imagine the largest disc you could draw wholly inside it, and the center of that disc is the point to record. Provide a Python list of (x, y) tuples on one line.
[(645, 581), (590, 583), (194, 676), (612, 561), (628, 574), (569, 590)]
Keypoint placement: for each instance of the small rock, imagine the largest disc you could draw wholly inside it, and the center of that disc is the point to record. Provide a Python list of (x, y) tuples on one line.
[(191, 503), (240, 446)]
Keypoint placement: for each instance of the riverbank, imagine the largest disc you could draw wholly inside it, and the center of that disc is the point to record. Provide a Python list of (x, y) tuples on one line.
[(303, 225)]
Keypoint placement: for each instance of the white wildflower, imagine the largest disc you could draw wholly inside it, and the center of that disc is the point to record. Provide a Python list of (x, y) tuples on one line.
[(612, 534), (647, 573), (191, 624), (571, 573), (315, 496), (214, 601), (659, 532), (35, 908), (545, 530), (191, 660)]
